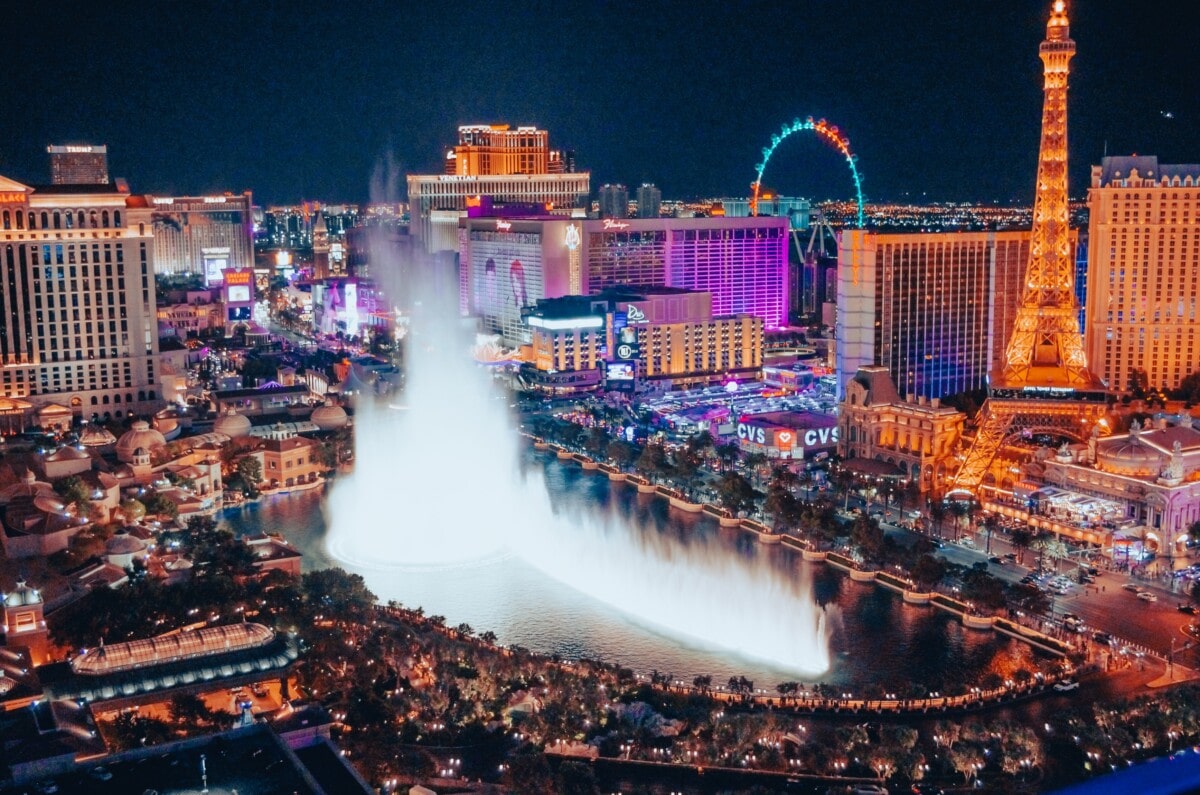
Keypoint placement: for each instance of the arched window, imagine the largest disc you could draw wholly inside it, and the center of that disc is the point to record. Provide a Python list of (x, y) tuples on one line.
[(69, 219), (82, 220), (105, 400), (93, 219), (152, 395), (104, 219), (117, 218), (141, 230), (94, 402), (116, 398), (57, 220), (20, 220), (141, 394), (7, 220), (32, 220), (129, 397), (45, 220)]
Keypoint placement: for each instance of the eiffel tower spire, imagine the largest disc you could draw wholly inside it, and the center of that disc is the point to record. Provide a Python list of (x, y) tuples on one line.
[(1044, 385), (1046, 348)]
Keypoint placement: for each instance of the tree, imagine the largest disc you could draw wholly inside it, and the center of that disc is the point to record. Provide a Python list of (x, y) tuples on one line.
[(735, 493), (652, 463), (190, 710), (754, 464), (133, 510), (727, 454), (928, 571), (1022, 539), (621, 453), (250, 469), (867, 536), (937, 515), (1139, 384), (159, 505), (991, 523)]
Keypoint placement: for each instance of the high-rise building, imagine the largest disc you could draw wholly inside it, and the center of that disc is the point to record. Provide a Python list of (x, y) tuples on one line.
[(78, 164), (1143, 271), (934, 308), (491, 161), (78, 325), (649, 201), (198, 234), (614, 201), (494, 149), (508, 264), (1044, 385)]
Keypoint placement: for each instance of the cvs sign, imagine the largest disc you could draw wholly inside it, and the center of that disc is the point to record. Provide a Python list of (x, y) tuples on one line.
[(751, 433), (821, 436)]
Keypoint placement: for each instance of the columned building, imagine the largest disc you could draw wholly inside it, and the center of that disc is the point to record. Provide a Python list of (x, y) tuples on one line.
[(1143, 271), (934, 308), (909, 438), (78, 325)]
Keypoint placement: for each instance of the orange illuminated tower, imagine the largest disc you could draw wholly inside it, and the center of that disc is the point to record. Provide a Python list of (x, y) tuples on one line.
[(1044, 385)]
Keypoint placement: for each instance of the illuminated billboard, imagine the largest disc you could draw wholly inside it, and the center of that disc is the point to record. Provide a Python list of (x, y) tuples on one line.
[(620, 371)]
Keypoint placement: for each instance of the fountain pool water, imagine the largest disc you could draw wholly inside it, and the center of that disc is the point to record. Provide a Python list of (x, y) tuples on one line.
[(437, 485)]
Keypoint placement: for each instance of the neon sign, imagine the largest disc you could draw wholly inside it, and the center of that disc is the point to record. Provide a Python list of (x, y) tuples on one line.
[(503, 226), (573, 237), (237, 277), (634, 315), (8, 198), (611, 224)]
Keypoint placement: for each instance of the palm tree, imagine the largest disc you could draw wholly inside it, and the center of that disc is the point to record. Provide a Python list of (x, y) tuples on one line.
[(754, 463), (937, 515), (990, 523), (1021, 538), (728, 453)]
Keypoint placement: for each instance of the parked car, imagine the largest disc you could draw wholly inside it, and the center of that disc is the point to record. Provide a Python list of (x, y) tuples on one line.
[(1102, 637), (1186, 607), (1146, 596), (1132, 586), (1065, 686), (999, 561)]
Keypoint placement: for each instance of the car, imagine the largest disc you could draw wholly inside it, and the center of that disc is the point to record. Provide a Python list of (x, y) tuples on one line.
[(1028, 579), (100, 773), (1132, 586), (1185, 607), (966, 541), (999, 561), (1146, 596), (1010, 556), (1065, 686), (1102, 637)]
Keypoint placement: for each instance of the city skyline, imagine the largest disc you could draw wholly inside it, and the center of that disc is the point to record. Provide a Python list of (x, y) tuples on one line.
[(294, 104)]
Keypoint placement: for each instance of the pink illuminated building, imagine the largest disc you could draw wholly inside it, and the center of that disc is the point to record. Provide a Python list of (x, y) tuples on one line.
[(742, 262)]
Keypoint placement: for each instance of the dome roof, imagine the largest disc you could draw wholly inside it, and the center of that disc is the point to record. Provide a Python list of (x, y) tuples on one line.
[(232, 424), (124, 544), (187, 643), (329, 418), (166, 422), (1129, 457), (139, 435), (96, 436), (23, 594)]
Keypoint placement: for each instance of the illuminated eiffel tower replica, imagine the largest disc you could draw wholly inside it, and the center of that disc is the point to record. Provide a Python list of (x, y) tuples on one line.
[(1044, 385)]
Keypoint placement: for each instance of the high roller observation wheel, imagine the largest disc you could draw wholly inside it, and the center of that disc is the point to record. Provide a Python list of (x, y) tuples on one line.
[(831, 135)]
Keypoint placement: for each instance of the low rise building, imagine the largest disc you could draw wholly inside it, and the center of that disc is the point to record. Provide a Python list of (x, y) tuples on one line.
[(914, 439)]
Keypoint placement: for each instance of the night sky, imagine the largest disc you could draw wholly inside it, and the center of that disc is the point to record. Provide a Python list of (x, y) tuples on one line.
[(294, 100)]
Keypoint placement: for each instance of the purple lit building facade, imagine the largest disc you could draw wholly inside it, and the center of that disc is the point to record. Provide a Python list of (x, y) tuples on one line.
[(741, 262)]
